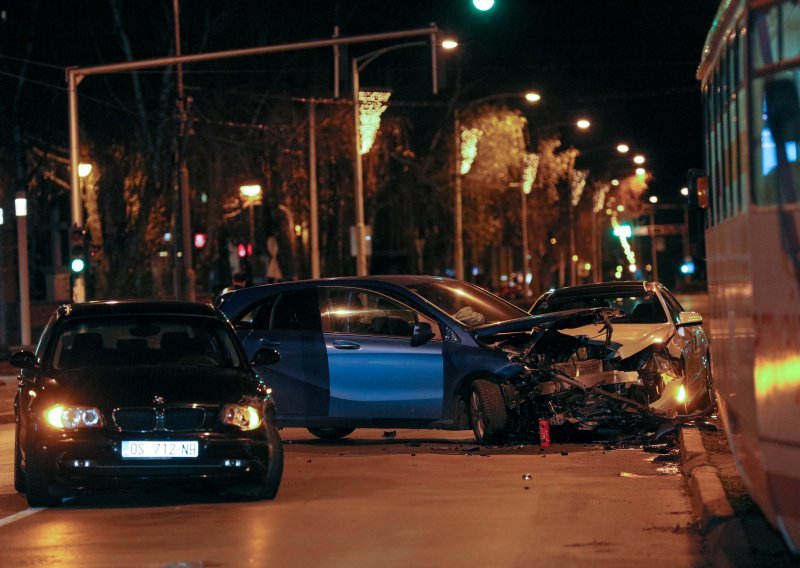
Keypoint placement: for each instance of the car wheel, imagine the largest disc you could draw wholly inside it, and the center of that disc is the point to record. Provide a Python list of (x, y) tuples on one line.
[(331, 433), (707, 400), (38, 482), (19, 474), (487, 412)]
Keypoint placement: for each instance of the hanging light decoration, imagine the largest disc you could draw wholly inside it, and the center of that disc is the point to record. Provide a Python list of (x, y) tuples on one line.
[(469, 148), (371, 105), (600, 197), (578, 183), (529, 173), (623, 240)]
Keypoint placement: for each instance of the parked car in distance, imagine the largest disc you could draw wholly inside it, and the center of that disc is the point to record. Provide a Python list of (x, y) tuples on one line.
[(129, 392), (665, 343), (377, 352)]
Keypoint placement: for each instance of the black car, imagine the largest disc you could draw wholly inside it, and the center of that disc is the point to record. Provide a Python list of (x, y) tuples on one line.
[(142, 391)]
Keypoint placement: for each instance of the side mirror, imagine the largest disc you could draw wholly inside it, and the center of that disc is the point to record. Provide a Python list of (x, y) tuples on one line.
[(265, 356), (689, 318), (24, 360), (422, 334)]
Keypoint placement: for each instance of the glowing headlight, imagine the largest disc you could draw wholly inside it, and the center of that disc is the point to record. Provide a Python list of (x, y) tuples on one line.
[(71, 417), (243, 417)]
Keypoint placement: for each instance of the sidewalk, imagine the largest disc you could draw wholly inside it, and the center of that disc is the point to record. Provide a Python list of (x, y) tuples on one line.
[(735, 533), (8, 386)]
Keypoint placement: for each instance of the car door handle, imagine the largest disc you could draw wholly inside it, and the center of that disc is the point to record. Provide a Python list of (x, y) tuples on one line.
[(342, 344), (269, 343)]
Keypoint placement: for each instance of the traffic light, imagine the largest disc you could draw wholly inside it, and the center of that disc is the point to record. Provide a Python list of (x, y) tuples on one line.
[(483, 5), (77, 250), (623, 231)]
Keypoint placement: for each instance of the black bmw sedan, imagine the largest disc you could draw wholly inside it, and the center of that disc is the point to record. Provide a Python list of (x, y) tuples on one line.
[(142, 391)]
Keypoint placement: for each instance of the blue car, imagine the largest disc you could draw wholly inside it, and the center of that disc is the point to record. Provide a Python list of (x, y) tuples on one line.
[(379, 352)]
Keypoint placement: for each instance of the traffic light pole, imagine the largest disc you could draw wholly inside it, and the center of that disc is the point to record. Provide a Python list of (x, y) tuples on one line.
[(76, 74)]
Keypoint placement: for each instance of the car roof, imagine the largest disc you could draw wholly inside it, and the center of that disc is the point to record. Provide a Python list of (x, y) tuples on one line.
[(137, 307), (624, 287)]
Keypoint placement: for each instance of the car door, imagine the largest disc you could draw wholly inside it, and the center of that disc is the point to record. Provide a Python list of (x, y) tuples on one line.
[(374, 370), (289, 323)]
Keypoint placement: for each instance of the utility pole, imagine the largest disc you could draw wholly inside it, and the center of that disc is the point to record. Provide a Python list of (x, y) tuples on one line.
[(185, 264), (313, 196)]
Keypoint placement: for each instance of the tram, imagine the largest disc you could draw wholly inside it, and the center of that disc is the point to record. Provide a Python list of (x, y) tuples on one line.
[(750, 78)]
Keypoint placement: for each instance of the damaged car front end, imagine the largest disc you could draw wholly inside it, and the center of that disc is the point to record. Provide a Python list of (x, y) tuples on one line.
[(588, 382)]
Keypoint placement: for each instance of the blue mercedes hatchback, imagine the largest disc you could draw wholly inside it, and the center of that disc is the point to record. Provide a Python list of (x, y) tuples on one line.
[(378, 352)]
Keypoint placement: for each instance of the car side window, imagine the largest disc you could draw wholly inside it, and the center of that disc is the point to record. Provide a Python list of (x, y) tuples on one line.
[(362, 312), (672, 305), (297, 311), (258, 317)]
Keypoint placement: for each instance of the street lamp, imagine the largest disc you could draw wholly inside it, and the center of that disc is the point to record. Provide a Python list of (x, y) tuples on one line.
[(358, 64), (583, 124), (458, 242), (623, 148), (21, 211), (252, 196), (638, 159)]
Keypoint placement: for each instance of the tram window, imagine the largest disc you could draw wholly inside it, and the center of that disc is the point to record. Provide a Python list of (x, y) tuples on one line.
[(778, 126), (791, 30), (764, 40)]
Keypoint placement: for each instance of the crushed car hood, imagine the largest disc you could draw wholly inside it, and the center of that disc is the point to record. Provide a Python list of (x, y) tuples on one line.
[(557, 320), (633, 337)]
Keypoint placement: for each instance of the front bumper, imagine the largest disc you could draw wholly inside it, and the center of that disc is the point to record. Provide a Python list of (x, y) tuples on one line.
[(95, 461)]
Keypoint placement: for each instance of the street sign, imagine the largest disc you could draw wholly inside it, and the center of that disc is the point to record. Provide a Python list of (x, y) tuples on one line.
[(658, 230)]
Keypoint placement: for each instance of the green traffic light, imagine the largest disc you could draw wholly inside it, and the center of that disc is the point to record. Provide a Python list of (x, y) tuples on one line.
[(77, 265), (483, 5)]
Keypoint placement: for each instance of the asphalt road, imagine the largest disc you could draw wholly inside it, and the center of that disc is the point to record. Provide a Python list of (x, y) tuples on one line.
[(422, 498)]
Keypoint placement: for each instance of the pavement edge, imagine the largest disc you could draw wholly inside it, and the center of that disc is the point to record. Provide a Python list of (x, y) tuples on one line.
[(724, 540)]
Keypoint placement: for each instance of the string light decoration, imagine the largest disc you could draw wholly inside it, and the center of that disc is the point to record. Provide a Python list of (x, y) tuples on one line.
[(578, 183), (600, 192), (469, 148), (371, 105), (623, 240), (529, 173)]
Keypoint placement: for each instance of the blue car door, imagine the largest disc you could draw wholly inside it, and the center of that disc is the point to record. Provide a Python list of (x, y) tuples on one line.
[(289, 323), (374, 371)]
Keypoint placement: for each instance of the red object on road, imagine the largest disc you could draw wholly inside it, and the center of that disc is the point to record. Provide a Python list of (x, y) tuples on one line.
[(544, 432)]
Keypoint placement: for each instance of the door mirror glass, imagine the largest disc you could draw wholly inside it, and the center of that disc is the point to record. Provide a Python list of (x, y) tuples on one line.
[(265, 357), (24, 360), (689, 318), (422, 334)]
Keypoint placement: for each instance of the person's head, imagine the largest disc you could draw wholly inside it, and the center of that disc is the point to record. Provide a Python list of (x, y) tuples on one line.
[(239, 279)]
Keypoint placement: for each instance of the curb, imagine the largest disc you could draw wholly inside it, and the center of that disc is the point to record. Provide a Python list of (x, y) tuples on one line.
[(725, 541)]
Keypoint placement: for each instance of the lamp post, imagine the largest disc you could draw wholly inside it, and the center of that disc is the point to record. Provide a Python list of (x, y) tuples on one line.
[(252, 196), (458, 212), (21, 211), (357, 65)]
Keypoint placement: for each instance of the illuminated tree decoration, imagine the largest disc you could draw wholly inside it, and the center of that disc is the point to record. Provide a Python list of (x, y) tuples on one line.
[(600, 192), (469, 148), (623, 240), (371, 105), (578, 183), (529, 173)]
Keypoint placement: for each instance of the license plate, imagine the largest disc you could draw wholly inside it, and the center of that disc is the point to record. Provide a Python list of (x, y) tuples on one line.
[(166, 449)]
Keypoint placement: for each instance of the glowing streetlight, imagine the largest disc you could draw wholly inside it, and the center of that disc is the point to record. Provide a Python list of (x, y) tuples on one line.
[(653, 199), (615, 182), (638, 159), (583, 124), (449, 43), (250, 191), (685, 191), (533, 97), (640, 171), (483, 5), (623, 148), (84, 169)]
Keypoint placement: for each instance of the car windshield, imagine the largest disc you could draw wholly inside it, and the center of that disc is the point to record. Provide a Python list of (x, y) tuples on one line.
[(470, 305), (637, 307), (131, 340)]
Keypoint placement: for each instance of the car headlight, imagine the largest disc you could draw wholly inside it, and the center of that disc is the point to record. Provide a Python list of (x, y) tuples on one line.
[(70, 417), (243, 417)]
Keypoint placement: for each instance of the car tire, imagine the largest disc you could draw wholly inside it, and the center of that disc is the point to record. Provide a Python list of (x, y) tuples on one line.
[(19, 473), (38, 482), (487, 412), (272, 480), (331, 433)]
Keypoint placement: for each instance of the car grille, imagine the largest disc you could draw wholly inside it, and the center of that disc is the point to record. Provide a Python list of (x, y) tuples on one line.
[(173, 419)]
